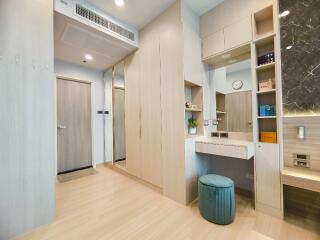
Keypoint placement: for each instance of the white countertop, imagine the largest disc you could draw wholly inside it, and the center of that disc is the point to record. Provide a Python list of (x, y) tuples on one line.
[(225, 147), (224, 141), (301, 178)]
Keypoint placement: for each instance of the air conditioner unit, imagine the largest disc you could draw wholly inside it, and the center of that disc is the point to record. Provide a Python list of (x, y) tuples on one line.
[(89, 15)]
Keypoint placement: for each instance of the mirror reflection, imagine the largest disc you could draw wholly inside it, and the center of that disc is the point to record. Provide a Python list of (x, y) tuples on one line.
[(233, 89)]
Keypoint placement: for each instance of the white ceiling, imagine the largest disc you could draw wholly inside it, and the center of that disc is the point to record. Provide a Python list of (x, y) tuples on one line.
[(73, 40), (138, 13), (202, 6)]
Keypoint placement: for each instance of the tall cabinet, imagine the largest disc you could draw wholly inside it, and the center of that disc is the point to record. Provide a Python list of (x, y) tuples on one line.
[(267, 110), (255, 25), (143, 112), (154, 106)]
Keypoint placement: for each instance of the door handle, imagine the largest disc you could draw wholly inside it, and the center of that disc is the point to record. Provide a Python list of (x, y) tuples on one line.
[(61, 127)]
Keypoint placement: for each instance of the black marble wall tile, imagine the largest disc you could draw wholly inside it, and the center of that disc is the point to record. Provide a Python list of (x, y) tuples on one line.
[(300, 63)]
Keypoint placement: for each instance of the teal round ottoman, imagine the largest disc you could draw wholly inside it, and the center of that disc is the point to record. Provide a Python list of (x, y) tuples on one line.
[(217, 199)]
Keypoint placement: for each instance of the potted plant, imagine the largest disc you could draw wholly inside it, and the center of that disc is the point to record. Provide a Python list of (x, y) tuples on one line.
[(192, 124)]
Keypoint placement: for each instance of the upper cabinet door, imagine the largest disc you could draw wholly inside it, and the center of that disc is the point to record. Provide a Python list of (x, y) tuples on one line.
[(238, 33), (213, 44)]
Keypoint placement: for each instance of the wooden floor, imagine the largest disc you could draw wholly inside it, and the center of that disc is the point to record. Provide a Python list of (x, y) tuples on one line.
[(110, 206)]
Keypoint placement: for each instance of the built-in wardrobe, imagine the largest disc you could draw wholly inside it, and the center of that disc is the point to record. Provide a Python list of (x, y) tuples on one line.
[(154, 105)]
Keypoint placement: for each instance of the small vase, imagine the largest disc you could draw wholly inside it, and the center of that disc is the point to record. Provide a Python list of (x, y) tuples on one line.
[(192, 131)]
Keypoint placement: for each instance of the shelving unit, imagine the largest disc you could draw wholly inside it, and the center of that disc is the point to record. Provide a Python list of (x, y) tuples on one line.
[(265, 66), (267, 129), (266, 92), (221, 111), (194, 94), (264, 43)]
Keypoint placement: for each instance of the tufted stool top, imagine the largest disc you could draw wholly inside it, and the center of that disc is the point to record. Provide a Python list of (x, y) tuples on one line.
[(217, 181)]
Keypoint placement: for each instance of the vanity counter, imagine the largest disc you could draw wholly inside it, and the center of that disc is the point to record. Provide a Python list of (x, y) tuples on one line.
[(225, 147), (301, 178)]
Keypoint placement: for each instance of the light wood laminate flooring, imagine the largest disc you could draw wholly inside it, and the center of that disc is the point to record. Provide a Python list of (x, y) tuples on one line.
[(112, 206)]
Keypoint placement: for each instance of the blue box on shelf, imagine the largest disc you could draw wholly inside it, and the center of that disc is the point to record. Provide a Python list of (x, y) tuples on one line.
[(267, 110)]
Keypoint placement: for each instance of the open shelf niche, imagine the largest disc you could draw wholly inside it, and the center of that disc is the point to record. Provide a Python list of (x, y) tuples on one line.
[(265, 66), (221, 111), (193, 95), (263, 23)]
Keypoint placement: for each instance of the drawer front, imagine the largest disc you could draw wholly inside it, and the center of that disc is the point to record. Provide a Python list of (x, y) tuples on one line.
[(222, 150)]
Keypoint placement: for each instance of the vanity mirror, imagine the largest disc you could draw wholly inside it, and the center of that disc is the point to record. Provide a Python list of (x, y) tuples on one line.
[(233, 93)]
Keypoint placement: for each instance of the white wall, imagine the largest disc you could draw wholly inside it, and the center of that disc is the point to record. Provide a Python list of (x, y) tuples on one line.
[(193, 69), (80, 72), (27, 116), (220, 80), (107, 78)]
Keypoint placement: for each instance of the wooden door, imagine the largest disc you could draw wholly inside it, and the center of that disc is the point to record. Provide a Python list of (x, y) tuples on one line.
[(239, 111), (119, 125), (74, 125)]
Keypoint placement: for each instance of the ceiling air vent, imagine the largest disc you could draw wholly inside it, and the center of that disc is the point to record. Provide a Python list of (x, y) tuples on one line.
[(93, 17)]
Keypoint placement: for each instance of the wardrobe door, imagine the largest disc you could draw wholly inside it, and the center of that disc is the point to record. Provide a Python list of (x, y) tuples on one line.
[(150, 100), (132, 115)]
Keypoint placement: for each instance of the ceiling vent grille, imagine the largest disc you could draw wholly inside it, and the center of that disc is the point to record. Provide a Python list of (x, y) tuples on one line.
[(93, 17)]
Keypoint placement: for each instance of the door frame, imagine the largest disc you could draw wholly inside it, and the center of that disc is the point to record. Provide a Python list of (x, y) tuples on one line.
[(113, 121), (93, 127), (113, 111)]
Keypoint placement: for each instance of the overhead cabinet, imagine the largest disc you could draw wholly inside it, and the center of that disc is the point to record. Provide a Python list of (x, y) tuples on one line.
[(238, 33), (229, 37), (213, 44)]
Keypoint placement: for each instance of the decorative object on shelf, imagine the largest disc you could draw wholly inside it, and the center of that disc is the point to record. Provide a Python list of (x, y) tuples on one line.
[(266, 58), (237, 85), (192, 124), (267, 110), (268, 137), (188, 104), (266, 85)]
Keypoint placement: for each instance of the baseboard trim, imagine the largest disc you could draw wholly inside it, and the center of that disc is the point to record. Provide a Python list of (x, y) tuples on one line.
[(74, 170)]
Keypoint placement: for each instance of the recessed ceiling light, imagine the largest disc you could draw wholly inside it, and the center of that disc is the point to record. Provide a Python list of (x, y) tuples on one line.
[(225, 56), (285, 13), (88, 57), (289, 47), (119, 3)]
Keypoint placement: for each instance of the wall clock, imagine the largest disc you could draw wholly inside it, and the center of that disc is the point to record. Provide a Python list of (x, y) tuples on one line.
[(236, 85)]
